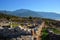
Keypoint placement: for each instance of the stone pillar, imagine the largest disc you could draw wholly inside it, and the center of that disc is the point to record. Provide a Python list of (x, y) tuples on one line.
[(11, 24)]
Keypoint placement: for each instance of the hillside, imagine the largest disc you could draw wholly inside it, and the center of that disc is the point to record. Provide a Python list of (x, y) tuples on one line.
[(49, 22), (7, 16)]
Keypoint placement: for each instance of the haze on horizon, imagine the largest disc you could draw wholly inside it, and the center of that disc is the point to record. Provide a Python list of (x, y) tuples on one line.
[(35, 5)]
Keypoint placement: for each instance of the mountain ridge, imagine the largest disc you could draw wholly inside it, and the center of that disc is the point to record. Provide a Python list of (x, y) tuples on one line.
[(27, 12)]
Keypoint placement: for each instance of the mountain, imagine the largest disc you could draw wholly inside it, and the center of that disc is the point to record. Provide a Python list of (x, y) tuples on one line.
[(50, 15), (26, 13)]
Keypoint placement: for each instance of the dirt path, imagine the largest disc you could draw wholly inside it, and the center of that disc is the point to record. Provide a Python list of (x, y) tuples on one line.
[(39, 31)]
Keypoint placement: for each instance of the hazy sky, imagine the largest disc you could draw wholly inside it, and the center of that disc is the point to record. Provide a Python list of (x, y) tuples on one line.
[(36, 5)]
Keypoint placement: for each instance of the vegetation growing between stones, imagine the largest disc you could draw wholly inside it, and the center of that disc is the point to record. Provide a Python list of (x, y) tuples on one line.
[(44, 34)]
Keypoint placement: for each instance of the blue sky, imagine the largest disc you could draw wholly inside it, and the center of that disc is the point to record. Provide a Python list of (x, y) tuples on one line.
[(35, 5)]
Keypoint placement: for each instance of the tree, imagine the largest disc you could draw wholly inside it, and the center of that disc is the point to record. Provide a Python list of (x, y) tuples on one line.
[(30, 17)]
